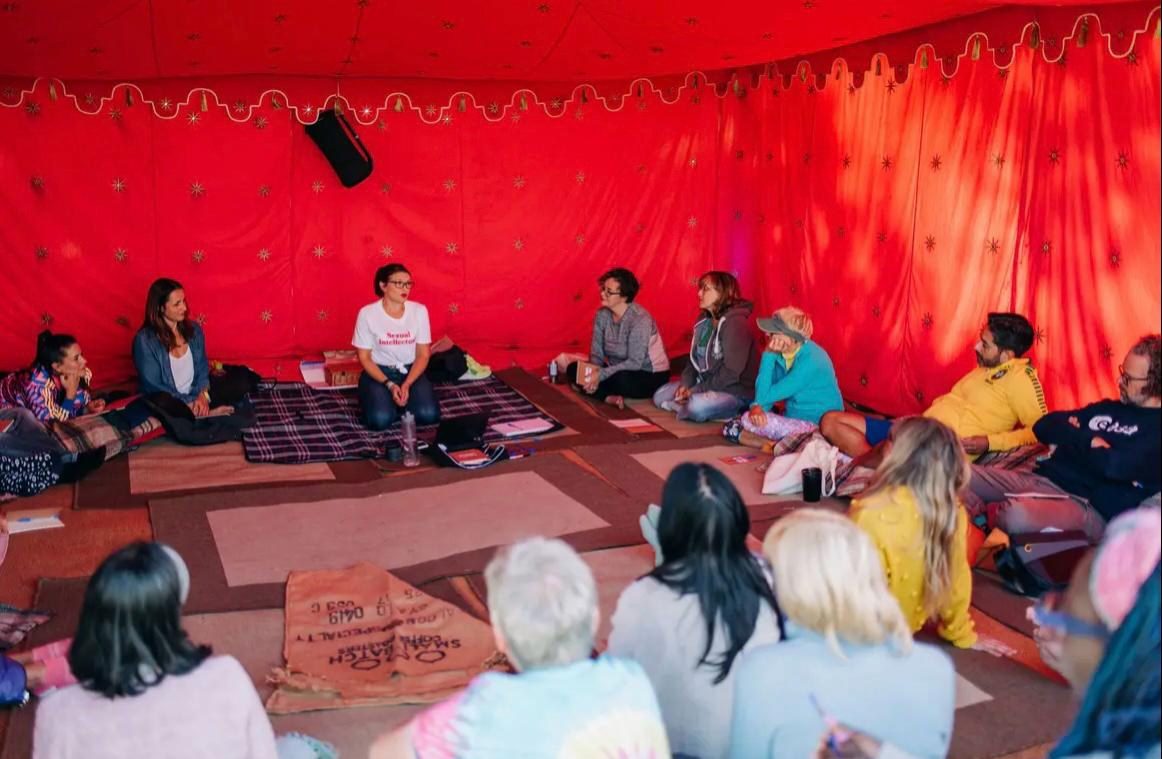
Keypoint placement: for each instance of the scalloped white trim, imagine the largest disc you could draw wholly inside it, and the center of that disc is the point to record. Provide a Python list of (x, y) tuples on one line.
[(523, 99)]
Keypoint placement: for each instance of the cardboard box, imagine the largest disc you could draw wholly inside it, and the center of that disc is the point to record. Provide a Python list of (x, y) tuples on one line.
[(341, 375), (341, 368), (585, 371)]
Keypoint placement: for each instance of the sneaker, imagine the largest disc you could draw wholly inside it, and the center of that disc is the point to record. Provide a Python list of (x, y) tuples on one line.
[(732, 430)]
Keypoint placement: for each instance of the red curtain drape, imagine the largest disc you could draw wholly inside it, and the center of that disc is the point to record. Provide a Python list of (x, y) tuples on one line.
[(897, 212), (905, 210)]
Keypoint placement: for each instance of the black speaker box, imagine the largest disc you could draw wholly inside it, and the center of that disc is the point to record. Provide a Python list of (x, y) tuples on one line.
[(341, 147)]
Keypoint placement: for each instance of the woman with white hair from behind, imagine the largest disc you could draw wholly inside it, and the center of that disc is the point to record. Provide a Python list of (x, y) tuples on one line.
[(848, 655), (542, 601)]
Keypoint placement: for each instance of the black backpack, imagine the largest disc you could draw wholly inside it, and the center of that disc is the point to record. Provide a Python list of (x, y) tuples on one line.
[(1038, 562)]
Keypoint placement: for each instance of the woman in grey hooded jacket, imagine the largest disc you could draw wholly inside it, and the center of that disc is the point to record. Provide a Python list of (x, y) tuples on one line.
[(718, 381)]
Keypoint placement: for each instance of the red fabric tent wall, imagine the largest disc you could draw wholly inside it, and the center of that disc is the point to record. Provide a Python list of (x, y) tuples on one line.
[(903, 211), (1044, 198)]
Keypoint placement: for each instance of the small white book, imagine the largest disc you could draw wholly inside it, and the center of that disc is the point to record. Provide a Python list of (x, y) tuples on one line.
[(31, 520), (523, 427)]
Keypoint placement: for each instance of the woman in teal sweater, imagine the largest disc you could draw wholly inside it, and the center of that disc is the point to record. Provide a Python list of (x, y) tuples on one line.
[(794, 370)]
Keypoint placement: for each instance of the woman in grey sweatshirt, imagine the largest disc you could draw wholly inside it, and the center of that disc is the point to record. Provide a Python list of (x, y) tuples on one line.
[(626, 345), (718, 382)]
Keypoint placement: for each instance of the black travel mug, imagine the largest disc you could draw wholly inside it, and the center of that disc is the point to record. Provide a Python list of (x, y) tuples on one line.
[(812, 484)]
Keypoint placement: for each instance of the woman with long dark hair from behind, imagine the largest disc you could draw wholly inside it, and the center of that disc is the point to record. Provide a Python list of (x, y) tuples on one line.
[(144, 689), (56, 385), (709, 600)]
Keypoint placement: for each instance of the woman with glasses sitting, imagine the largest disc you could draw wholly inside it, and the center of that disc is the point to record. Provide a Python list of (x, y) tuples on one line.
[(393, 338), (626, 346)]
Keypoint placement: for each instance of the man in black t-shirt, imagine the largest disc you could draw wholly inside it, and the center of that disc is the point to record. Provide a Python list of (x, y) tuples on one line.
[(1105, 459)]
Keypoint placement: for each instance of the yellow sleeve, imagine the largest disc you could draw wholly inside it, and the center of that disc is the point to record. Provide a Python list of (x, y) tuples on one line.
[(858, 514), (956, 624), (1027, 399)]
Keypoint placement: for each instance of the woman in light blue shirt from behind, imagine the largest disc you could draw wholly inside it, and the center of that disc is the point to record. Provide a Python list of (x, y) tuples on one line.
[(848, 653)]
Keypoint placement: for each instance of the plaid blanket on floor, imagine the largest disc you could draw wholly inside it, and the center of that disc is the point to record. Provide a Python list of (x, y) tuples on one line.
[(853, 480), (84, 433), (296, 424)]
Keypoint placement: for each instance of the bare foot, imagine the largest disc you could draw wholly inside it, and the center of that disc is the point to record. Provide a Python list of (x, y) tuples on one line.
[(750, 440), (615, 400)]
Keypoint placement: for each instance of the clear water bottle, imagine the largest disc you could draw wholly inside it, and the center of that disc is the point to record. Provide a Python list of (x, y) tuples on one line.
[(552, 372), (407, 428)]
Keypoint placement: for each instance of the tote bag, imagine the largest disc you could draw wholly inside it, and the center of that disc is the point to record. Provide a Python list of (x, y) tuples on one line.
[(785, 474)]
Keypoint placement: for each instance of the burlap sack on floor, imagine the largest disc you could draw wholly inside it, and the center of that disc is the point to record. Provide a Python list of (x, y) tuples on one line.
[(363, 637)]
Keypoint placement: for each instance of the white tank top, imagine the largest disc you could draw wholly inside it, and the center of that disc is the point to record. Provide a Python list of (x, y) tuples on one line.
[(183, 371)]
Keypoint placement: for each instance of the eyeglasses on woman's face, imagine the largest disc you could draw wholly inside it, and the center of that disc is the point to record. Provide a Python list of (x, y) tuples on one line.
[(609, 293), (401, 284)]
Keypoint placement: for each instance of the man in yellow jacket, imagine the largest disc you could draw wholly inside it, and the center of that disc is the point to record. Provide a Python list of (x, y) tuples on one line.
[(992, 408)]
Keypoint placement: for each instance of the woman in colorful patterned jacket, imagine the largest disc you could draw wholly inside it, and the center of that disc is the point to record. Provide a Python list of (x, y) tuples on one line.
[(56, 386)]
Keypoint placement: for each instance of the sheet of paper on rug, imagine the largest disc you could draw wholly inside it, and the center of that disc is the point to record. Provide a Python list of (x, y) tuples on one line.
[(262, 544), (31, 520), (968, 694), (360, 635)]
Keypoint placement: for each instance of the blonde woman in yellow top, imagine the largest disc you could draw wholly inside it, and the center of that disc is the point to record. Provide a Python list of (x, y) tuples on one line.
[(913, 513)]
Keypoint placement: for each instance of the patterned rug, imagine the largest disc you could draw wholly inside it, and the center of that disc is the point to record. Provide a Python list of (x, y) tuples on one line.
[(297, 424)]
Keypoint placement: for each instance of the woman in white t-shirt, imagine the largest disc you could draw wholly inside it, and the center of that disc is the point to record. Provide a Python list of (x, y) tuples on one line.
[(393, 338)]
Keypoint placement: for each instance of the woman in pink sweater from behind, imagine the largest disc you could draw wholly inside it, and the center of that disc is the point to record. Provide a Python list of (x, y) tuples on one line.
[(144, 689)]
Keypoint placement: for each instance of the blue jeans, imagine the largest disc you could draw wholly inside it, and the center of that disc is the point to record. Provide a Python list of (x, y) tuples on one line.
[(988, 496), (702, 407), (380, 410)]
